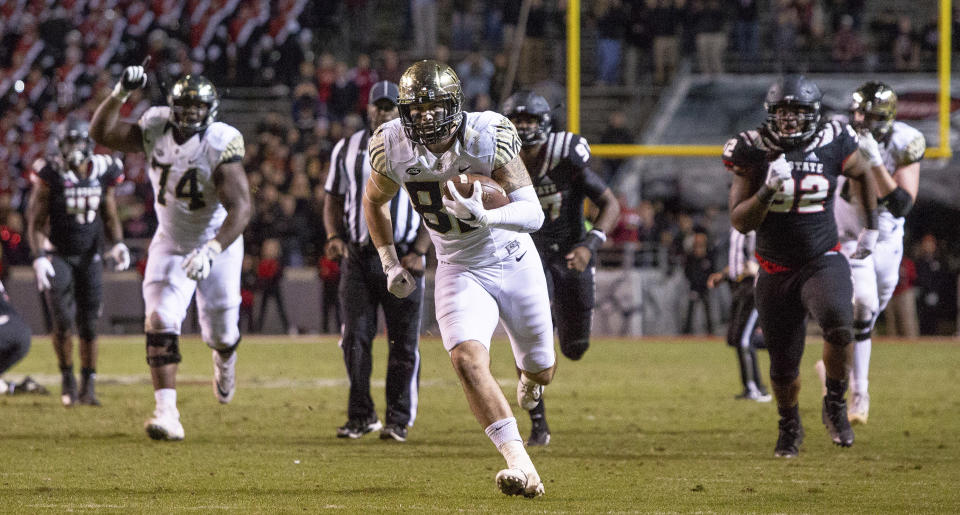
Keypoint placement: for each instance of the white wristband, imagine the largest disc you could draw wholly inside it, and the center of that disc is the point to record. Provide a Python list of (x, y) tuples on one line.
[(388, 256), (120, 93)]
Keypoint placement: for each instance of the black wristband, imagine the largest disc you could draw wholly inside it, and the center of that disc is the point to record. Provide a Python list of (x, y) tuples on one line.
[(593, 240), (765, 194)]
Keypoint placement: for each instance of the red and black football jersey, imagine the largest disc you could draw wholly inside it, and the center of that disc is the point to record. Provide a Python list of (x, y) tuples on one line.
[(562, 180), (799, 225), (76, 227)]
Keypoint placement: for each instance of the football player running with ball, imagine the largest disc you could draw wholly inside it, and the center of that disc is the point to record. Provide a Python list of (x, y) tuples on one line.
[(557, 162), (71, 204), (784, 178), (488, 269), (894, 150), (203, 205)]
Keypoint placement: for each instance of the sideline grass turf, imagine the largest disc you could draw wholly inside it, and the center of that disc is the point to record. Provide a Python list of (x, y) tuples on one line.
[(638, 427)]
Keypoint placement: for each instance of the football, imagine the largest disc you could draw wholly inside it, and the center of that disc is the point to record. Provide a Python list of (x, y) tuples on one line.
[(493, 194)]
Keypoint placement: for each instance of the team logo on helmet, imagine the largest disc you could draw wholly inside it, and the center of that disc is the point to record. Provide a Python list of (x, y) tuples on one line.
[(430, 102)]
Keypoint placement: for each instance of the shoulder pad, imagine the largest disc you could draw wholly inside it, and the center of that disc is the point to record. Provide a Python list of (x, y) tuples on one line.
[(743, 152), (219, 135), (908, 143)]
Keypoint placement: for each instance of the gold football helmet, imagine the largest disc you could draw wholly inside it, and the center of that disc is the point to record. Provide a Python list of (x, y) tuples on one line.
[(185, 96), (430, 102), (876, 103)]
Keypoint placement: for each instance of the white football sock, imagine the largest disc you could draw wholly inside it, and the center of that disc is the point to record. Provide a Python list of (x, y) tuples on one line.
[(859, 382), (166, 398)]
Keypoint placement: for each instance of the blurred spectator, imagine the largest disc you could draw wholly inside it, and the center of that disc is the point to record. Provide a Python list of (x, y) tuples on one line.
[(248, 287), (363, 77), (698, 266), (475, 72), (423, 15), (616, 133), (611, 29), (269, 281), (465, 25), (785, 32), (389, 66), (329, 272), (906, 48), (932, 278), (901, 312), (709, 27), (639, 40), (848, 46), (747, 29), (665, 20)]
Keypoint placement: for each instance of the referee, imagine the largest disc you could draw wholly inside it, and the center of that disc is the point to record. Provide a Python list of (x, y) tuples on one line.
[(742, 333), (363, 285)]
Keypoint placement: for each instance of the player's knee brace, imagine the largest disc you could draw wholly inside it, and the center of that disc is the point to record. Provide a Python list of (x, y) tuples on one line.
[(226, 350), (574, 349), (838, 336), (783, 376), (862, 330), (162, 349)]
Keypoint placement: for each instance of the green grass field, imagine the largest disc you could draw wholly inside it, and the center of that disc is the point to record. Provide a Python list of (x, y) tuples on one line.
[(638, 427)]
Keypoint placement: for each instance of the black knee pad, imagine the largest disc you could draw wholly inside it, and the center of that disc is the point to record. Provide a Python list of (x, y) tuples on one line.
[(839, 336), (574, 349), (861, 330), (782, 377), (162, 349)]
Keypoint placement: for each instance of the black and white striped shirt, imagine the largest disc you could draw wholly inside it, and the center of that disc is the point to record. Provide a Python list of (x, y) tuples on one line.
[(347, 178), (742, 250)]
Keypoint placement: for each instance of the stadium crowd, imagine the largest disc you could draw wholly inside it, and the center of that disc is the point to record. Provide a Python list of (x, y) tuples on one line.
[(58, 58)]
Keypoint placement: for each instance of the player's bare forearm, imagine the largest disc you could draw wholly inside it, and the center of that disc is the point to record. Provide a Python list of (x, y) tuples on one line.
[(333, 215), (234, 194), (111, 220), (107, 129), (377, 194), (38, 211), (609, 211), (512, 176), (908, 178), (422, 243), (857, 167), (747, 211)]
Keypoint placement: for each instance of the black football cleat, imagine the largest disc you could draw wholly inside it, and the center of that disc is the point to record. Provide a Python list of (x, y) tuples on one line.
[(834, 416), (791, 436), (28, 386), (539, 433), (68, 390), (355, 428), (394, 432)]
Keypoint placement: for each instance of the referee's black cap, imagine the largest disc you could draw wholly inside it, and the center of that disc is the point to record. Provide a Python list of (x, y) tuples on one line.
[(384, 90)]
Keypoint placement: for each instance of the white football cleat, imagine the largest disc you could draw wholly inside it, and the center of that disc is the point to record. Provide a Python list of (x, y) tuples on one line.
[(528, 393), (224, 377), (165, 425), (859, 408), (514, 481)]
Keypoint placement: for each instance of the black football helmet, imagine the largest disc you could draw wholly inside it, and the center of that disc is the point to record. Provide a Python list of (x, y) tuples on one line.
[(877, 103), (73, 141), (793, 110), (530, 104), (187, 93), (430, 88)]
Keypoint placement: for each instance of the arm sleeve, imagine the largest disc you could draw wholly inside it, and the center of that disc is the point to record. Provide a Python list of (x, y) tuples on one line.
[(522, 214), (593, 185)]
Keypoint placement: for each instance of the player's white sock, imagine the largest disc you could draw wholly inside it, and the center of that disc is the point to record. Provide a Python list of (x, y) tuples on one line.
[(166, 398), (861, 366)]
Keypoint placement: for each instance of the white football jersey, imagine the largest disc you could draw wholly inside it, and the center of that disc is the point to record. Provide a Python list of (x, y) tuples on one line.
[(484, 142), (905, 146), (188, 209)]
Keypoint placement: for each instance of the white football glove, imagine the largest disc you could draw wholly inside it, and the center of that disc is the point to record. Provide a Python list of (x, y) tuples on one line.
[(133, 77), (870, 149), (198, 263), (400, 281), (865, 243), (778, 173), (44, 270), (469, 209), (120, 255)]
